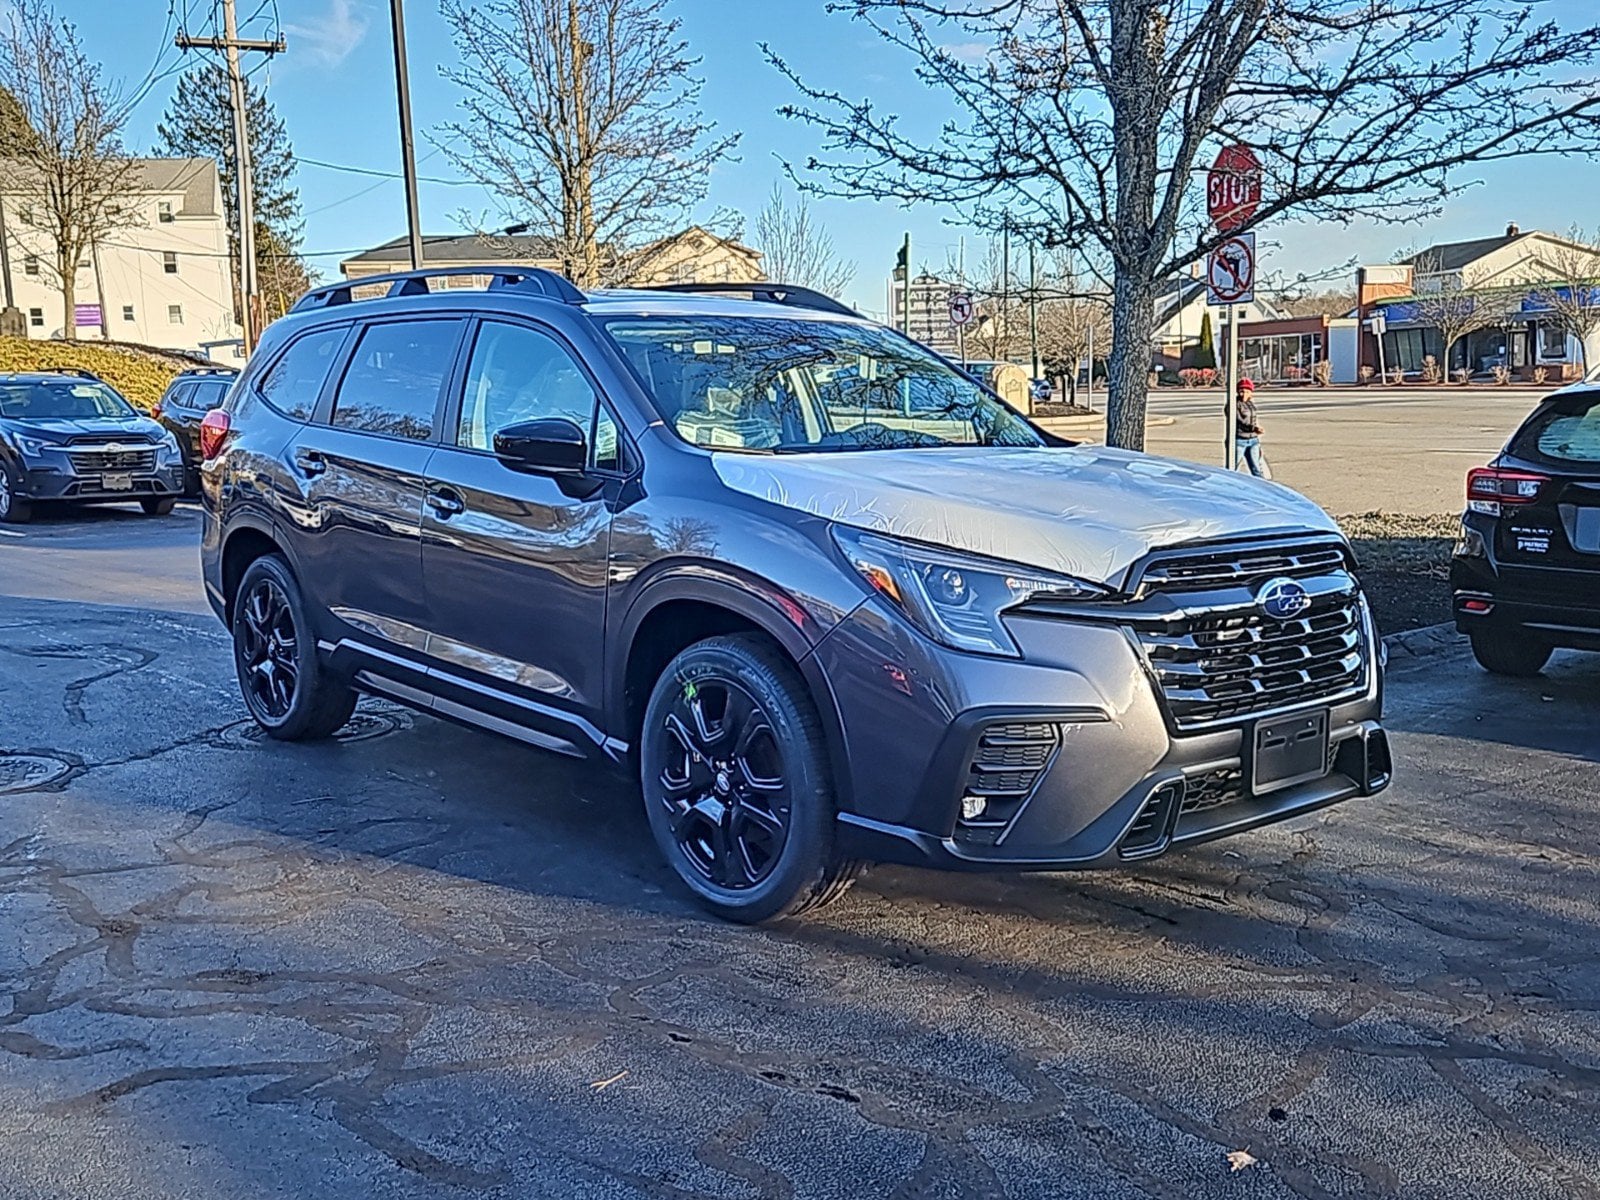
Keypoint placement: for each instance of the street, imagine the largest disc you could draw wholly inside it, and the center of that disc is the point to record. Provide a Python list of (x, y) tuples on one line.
[(420, 961), (1400, 450)]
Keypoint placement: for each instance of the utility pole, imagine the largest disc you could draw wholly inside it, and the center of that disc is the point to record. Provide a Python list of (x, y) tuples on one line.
[(231, 44), (408, 148), (1033, 310), (1005, 288), (905, 308)]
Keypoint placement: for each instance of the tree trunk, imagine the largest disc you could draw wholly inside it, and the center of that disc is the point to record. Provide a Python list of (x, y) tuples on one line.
[(1133, 315), (69, 303)]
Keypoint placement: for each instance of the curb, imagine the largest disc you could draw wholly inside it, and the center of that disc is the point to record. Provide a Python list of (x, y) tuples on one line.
[(1425, 642)]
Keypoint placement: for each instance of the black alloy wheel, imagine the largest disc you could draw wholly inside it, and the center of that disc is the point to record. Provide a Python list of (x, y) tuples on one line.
[(268, 648), (722, 783), (733, 764), (13, 509), (286, 687)]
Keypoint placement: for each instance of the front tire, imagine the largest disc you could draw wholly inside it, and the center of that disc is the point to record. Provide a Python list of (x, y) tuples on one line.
[(157, 506), (1510, 651), (14, 510), (288, 691), (736, 786)]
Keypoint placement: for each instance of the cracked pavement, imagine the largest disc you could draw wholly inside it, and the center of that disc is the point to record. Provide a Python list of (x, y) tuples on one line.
[(421, 961)]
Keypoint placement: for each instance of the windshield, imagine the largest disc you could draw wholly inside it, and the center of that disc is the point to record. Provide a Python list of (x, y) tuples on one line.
[(1565, 430), (61, 398), (771, 385)]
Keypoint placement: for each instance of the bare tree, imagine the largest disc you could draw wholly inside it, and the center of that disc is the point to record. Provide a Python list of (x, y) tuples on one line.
[(1089, 122), (999, 329), (1456, 310), (795, 249), (72, 178), (1573, 293), (1069, 329), (583, 117)]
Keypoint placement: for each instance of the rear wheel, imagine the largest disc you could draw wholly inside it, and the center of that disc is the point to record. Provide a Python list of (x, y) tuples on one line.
[(1510, 651), (157, 506), (285, 686), (736, 786), (13, 508)]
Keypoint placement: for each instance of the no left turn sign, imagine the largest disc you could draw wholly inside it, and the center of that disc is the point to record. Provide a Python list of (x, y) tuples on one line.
[(961, 310), (1231, 271)]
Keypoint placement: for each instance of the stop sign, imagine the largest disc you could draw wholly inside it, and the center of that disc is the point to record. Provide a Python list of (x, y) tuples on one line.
[(1233, 188)]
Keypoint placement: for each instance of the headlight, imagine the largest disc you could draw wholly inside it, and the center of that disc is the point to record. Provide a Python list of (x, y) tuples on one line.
[(953, 598), (30, 447), (169, 442)]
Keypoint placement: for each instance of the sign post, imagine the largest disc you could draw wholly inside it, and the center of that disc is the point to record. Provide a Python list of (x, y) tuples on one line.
[(1233, 194)]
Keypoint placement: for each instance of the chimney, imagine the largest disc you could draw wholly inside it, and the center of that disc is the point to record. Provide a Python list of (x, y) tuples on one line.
[(1512, 230)]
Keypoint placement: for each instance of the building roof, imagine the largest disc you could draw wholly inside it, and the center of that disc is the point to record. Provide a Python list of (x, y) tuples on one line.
[(195, 178), (1452, 256), (661, 247), (439, 249)]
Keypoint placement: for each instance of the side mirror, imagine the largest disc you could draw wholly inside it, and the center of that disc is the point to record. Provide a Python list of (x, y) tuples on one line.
[(548, 446)]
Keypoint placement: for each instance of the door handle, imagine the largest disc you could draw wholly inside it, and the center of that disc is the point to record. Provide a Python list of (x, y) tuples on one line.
[(310, 462), (445, 502)]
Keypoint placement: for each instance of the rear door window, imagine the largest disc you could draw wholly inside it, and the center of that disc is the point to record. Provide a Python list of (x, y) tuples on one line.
[(1567, 431), (293, 383), (395, 377), (207, 394)]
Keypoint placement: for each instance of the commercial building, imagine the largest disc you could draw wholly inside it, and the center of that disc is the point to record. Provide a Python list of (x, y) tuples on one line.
[(163, 279)]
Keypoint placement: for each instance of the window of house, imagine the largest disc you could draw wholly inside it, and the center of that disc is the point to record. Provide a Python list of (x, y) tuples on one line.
[(36, 317), (169, 262), (174, 314), (164, 211), (83, 264), (293, 383), (1552, 341), (393, 382), (519, 374), (127, 312), (30, 265), (25, 214)]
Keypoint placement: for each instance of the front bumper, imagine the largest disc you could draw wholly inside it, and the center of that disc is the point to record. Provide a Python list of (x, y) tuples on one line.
[(1559, 602), (50, 482), (1103, 775)]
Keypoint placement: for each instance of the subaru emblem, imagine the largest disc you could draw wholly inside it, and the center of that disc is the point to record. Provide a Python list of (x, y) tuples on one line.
[(1283, 598)]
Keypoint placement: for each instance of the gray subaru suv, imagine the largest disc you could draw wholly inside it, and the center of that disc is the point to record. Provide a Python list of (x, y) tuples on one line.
[(827, 598)]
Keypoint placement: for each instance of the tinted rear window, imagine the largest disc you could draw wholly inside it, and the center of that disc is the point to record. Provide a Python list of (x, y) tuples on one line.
[(395, 376), (293, 383), (1566, 430)]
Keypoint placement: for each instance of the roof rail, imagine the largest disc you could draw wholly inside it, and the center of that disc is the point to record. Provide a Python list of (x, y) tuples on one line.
[(537, 280), (771, 293), (219, 369)]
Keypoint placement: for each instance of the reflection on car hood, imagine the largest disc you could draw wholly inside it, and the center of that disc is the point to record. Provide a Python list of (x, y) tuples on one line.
[(62, 429), (1085, 511)]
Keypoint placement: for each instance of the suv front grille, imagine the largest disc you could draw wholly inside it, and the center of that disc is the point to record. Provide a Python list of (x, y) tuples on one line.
[(1215, 666), (88, 461)]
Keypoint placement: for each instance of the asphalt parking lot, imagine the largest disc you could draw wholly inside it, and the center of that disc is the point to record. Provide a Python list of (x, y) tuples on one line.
[(420, 961)]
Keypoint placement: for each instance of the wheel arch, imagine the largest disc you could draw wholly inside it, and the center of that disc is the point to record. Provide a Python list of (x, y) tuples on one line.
[(674, 614), (244, 544)]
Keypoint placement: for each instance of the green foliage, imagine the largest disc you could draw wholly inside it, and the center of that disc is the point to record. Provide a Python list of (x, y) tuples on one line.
[(1205, 354), (17, 137)]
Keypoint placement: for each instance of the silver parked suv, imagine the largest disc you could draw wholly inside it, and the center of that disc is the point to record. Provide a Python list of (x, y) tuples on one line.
[(828, 598)]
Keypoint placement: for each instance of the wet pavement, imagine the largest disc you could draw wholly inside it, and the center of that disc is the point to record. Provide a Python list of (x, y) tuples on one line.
[(420, 961)]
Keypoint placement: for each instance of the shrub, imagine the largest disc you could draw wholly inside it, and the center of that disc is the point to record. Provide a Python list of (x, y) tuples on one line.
[(1431, 372), (1367, 373), (1540, 374), (1397, 376), (1197, 377), (1322, 373), (140, 375), (1462, 376), (1502, 375)]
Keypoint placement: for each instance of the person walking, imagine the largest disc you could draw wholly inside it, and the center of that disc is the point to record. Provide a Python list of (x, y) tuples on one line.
[(1247, 432)]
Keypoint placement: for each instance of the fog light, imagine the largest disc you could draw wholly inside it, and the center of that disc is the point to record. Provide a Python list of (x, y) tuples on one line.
[(973, 807)]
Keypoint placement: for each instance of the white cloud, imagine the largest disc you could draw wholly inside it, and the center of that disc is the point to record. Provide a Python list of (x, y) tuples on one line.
[(330, 38), (968, 52)]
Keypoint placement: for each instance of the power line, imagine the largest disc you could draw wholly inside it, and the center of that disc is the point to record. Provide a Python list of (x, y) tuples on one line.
[(328, 166)]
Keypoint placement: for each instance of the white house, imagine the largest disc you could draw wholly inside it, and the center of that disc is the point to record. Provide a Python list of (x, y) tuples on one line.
[(1181, 310), (165, 279)]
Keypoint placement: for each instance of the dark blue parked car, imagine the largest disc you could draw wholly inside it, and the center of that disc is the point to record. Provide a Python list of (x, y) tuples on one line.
[(69, 437)]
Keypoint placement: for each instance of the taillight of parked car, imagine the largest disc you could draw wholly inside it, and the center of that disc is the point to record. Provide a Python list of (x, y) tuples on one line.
[(213, 432), (1490, 487), (155, 411)]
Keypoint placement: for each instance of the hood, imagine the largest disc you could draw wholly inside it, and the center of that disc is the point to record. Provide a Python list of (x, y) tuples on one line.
[(63, 429), (1086, 511)]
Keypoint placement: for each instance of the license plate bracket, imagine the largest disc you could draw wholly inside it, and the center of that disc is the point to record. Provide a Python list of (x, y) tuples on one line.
[(1288, 750), (117, 481)]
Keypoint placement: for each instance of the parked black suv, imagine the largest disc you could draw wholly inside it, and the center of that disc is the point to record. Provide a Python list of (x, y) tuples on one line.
[(68, 436), (1526, 574), (827, 596), (185, 403)]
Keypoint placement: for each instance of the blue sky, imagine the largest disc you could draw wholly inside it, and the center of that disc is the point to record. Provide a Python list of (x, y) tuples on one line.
[(334, 89)]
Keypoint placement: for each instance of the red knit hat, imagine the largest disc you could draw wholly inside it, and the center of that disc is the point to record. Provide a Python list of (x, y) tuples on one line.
[(1247, 385)]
